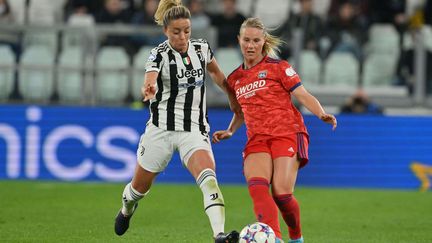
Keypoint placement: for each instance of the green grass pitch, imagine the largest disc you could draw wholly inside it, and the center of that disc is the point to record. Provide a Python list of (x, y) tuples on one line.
[(34, 211)]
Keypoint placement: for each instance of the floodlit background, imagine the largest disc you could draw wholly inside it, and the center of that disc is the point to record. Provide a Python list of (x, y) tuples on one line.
[(71, 116)]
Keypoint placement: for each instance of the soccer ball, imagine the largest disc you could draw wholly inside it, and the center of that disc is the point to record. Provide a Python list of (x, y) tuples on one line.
[(257, 233)]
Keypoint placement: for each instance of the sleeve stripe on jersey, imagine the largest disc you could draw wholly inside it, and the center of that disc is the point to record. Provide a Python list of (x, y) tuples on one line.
[(295, 86)]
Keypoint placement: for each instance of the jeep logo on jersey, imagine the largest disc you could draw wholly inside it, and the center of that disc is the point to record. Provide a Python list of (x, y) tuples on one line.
[(250, 88), (190, 73)]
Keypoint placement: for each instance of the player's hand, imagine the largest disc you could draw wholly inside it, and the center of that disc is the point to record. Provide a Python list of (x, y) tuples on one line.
[(330, 119), (220, 135), (148, 92)]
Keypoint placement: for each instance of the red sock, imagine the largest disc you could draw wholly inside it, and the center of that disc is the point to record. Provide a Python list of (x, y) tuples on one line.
[(265, 208), (290, 210)]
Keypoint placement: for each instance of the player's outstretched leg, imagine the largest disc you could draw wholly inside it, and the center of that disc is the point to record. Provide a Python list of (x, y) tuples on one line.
[(290, 211), (231, 237), (214, 206), (130, 202)]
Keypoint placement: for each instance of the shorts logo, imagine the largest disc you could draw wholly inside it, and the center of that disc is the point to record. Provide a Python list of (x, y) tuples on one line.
[(237, 82), (291, 149), (290, 72), (262, 74), (142, 150), (205, 134)]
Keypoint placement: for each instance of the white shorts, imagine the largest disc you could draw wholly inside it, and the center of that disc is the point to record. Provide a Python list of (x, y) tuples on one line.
[(157, 146)]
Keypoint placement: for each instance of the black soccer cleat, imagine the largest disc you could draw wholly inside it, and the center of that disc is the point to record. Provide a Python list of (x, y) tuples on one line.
[(122, 222), (231, 237)]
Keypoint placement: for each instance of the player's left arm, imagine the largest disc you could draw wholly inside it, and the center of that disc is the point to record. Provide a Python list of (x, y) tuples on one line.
[(313, 105), (291, 82)]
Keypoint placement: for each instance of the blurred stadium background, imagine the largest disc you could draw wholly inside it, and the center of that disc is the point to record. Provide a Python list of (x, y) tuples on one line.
[(71, 111)]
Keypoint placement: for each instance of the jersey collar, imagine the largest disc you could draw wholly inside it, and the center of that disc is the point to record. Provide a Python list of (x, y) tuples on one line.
[(174, 50), (262, 60)]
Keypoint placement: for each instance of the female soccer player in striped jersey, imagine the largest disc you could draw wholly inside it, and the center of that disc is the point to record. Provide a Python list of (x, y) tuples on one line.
[(277, 143), (174, 84)]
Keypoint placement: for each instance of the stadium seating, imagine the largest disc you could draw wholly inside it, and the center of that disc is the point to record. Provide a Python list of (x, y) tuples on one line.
[(79, 36), (274, 14), (18, 10), (36, 79), (383, 38), (7, 65), (48, 39), (427, 33), (70, 76), (228, 58), (139, 71), (379, 70), (112, 75), (309, 68), (341, 69), (382, 54)]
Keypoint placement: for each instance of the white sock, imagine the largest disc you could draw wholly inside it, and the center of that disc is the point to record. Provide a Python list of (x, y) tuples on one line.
[(130, 198), (213, 200)]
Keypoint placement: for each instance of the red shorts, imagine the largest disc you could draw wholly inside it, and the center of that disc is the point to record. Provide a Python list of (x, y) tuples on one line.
[(280, 146)]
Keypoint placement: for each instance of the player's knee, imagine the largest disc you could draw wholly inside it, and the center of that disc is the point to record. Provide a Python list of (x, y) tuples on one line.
[(282, 188)]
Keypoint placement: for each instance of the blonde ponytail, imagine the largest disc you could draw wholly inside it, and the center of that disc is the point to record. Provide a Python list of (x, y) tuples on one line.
[(169, 10), (271, 44)]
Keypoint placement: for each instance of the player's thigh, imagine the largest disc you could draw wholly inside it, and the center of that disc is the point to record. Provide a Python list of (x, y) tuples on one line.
[(285, 174), (258, 165), (155, 149), (195, 151)]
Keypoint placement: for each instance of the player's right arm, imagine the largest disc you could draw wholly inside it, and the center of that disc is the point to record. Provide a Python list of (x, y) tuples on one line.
[(148, 90), (236, 122), (153, 67), (314, 106)]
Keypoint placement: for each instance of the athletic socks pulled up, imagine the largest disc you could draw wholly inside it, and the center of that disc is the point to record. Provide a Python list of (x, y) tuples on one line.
[(265, 208), (290, 210), (130, 198), (213, 200)]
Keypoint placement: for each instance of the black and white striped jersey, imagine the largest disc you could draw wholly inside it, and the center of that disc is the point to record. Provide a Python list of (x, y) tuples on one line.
[(180, 100)]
